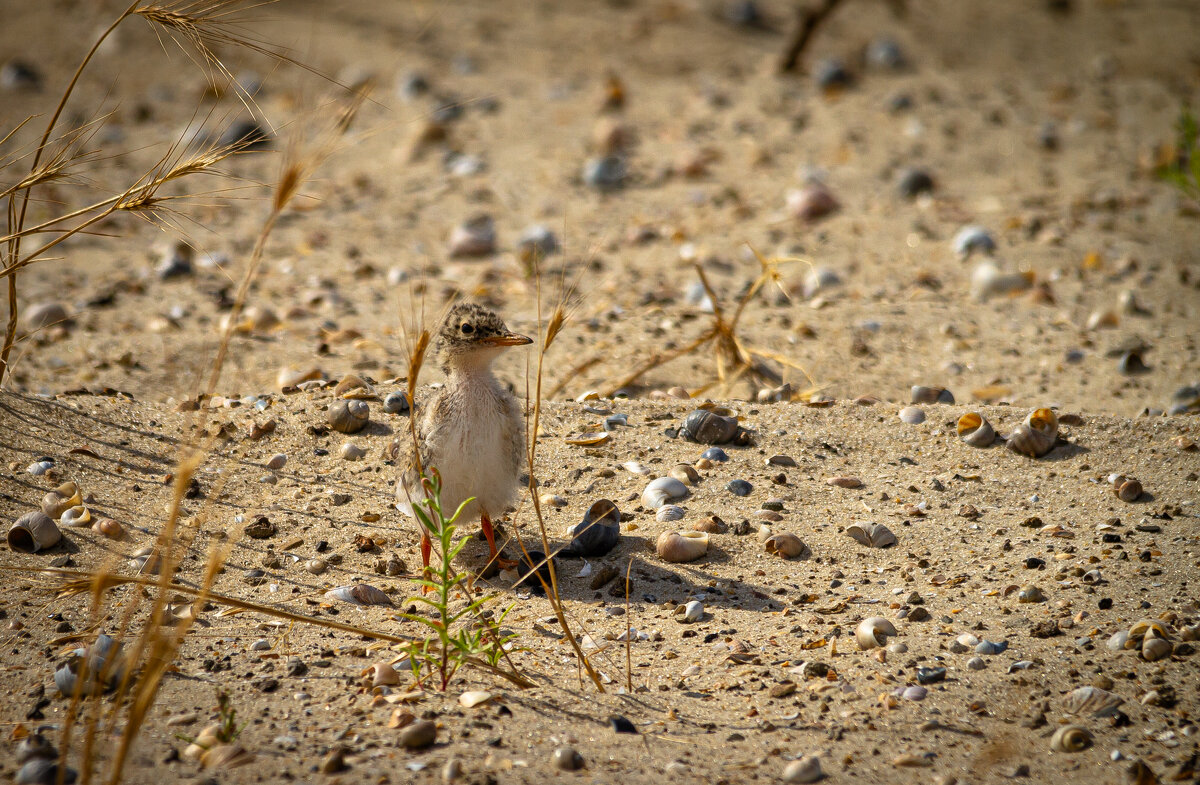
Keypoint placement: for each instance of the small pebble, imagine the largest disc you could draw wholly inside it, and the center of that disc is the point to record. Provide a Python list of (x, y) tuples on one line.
[(606, 173), (914, 182), (739, 487), (567, 759), (418, 735), (396, 402)]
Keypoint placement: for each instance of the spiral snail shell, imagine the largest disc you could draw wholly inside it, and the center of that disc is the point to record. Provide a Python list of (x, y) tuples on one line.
[(975, 430), (708, 427), (1071, 738), (681, 546), (1036, 436), (873, 632), (348, 416), (786, 546)]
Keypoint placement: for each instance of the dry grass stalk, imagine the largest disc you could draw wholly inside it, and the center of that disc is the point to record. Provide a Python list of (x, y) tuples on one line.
[(734, 358)]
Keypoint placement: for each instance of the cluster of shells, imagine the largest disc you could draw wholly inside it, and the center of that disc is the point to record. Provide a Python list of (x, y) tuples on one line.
[(1034, 437), (1151, 639), (64, 506)]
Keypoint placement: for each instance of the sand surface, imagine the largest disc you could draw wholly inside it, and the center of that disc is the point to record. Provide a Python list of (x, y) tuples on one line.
[(1108, 260)]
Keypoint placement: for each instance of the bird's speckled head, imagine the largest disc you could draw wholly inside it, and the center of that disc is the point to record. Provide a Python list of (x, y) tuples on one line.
[(472, 336)]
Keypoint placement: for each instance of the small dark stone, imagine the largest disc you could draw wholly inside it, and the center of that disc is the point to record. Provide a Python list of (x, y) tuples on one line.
[(526, 566), (831, 74), (1045, 629), (1105, 603), (567, 759), (18, 75), (296, 667), (715, 454), (913, 183), (246, 135), (603, 576), (606, 173), (931, 675), (739, 487), (265, 685), (621, 725), (1034, 563)]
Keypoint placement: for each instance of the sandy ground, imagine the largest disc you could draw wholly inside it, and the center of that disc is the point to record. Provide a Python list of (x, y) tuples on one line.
[(720, 140)]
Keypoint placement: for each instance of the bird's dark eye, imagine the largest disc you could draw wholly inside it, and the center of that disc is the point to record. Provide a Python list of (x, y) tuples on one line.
[(467, 328)]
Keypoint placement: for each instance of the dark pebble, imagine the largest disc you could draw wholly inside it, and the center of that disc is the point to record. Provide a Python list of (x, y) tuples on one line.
[(606, 173), (621, 725), (245, 134), (715, 454), (831, 74), (931, 675), (1034, 563), (1105, 603), (913, 183), (739, 487)]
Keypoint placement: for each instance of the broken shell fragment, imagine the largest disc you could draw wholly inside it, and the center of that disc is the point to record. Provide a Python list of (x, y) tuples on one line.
[(361, 594), (348, 416), (33, 532), (93, 670), (668, 513), (913, 415), (873, 632), (872, 535), (351, 451), (923, 394), (681, 546), (353, 387), (844, 482), (598, 532), (380, 674), (1071, 738), (473, 698), (1030, 594), (806, 769), (1036, 436), (76, 516), (708, 427), (1092, 701), (787, 546), (663, 490), (975, 430), (971, 239)]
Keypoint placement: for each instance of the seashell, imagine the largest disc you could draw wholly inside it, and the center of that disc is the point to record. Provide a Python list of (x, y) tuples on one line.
[(1092, 577), (360, 594), (975, 430), (668, 513), (598, 532), (1036, 436), (1132, 362), (844, 482), (1101, 318), (552, 500), (474, 237), (396, 402), (1148, 628), (1190, 633), (685, 473), (1117, 641), (691, 612), (714, 454), (681, 546), (108, 527), (44, 771), (35, 746), (786, 546), (613, 421), (635, 467), (380, 674), (663, 490), (806, 769), (739, 487), (923, 394), (991, 648), (873, 632), (606, 173), (61, 499), (1071, 738), (1092, 701), (872, 535), (708, 427), (290, 377), (277, 461), (352, 386), (818, 280), (418, 735), (33, 532), (38, 468), (536, 243), (976, 664), (712, 524), (226, 756), (76, 516), (473, 698), (348, 416), (811, 202), (1155, 648), (914, 182), (988, 281), (587, 439), (351, 451), (316, 566), (1030, 594), (913, 415), (39, 316), (914, 693), (971, 239), (1126, 489), (92, 671), (966, 639)]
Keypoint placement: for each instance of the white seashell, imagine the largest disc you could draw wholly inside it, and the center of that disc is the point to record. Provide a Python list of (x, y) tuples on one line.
[(1071, 738), (361, 594), (872, 535), (38, 468), (786, 546), (663, 490), (76, 516), (987, 281), (873, 632), (818, 280), (967, 639), (681, 546), (913, 415), (691, 612), (975, 430), (61, 499), (351, 451), (1155, 648), (669, 512), (1118, 640), (976, 664), (971, 239), (806, 769), (316, 566), (1036, 436), (474, 698), (1092, 701)]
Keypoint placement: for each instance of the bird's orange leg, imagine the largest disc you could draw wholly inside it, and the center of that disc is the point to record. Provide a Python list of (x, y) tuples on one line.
[(493, 555)]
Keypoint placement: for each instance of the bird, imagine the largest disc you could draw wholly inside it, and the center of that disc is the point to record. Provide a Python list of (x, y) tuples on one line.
[(472, 430)]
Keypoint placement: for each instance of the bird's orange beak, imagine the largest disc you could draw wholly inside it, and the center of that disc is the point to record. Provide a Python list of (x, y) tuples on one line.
[(508, 339)]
